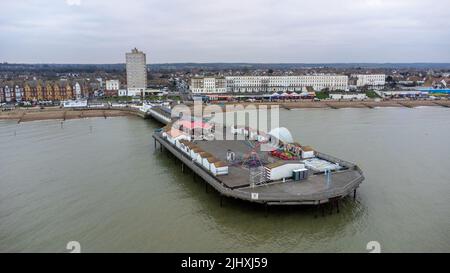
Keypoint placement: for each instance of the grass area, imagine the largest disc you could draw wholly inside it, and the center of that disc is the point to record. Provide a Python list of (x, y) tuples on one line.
[(322, 95), (440, 94), (371, 94)]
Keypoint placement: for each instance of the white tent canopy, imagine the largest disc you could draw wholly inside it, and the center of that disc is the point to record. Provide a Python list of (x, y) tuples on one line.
[(282, 134)]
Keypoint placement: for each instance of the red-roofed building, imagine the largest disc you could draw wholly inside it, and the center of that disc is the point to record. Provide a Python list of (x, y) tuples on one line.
[(194, 128)]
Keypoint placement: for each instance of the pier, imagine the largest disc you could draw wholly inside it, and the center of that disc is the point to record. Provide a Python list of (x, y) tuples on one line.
[(160, 115), (316, 190)]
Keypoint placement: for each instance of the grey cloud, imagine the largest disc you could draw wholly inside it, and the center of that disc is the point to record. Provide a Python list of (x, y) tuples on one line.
[(100, 31)]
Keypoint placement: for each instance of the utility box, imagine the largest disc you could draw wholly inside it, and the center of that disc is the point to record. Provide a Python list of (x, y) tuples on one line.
[(300, 174)]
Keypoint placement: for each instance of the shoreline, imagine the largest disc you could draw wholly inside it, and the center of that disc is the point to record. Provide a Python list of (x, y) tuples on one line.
[(25, 115), (56, 113)]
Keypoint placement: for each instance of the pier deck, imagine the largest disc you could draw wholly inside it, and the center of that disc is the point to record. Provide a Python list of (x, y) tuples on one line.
[(315, 190)]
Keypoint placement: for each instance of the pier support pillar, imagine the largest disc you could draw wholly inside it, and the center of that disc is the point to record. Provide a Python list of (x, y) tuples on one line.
[(337, 205), (182, 167), (354, 194), (316, 209)]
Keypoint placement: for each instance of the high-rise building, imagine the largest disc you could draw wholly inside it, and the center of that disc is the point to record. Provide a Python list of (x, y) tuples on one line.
[(136, 72)]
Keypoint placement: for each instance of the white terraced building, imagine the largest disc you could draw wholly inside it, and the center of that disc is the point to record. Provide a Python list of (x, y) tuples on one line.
[(268, 84), (374, 80), (208, 85)]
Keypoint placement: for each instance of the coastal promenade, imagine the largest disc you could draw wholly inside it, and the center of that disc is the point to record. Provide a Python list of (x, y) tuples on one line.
[(32, 114), (336, 104)]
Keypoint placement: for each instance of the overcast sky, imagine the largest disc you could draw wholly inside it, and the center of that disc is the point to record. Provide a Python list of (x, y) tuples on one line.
[(101, 31)]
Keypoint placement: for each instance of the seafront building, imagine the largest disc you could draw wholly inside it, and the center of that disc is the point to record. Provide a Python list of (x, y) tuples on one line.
[(7, 94), (37, 90), (136, 72), (208, 85), (370, 80), (268, 84), (77, 90), (251, 84), (112, 88)]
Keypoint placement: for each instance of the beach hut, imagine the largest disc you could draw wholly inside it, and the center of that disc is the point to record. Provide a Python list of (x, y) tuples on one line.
[(183, 145), (188, 147), (307, 152), (195, 151), (174, 134), (165, 129), (219, 168), (179, 143), (202, 155), (207, 161)]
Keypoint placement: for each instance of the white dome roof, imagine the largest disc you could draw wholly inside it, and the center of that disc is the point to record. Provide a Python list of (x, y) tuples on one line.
[(282, 134)]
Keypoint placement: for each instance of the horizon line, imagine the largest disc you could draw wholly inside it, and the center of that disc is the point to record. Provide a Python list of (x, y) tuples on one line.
[(165, 63)]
